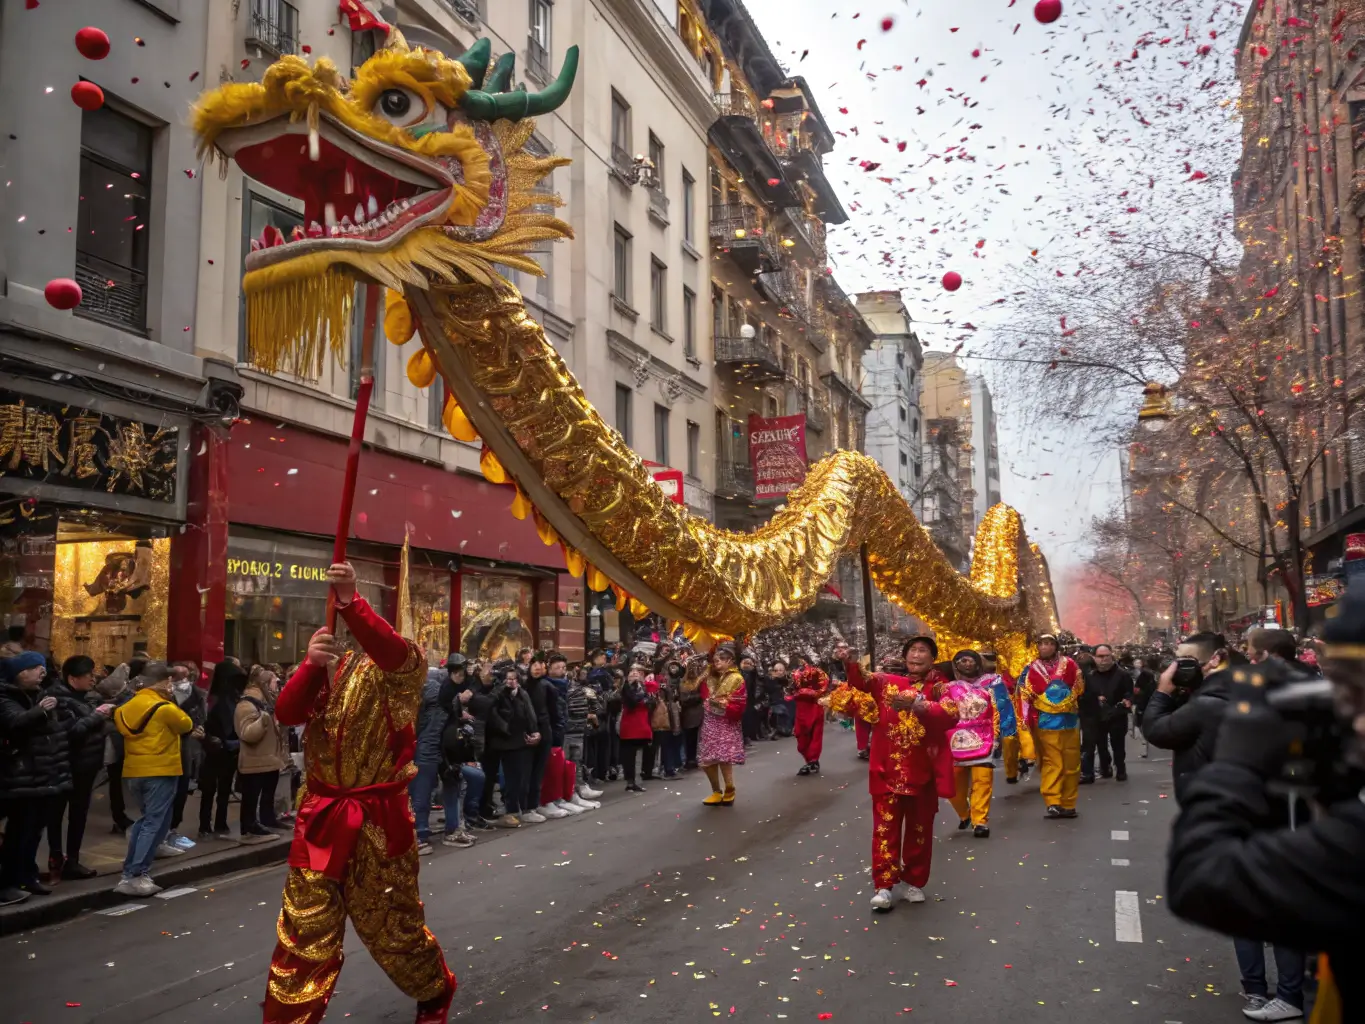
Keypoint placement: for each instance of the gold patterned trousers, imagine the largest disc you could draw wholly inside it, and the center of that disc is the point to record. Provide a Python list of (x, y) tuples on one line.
[(902, 838), (381, 897)]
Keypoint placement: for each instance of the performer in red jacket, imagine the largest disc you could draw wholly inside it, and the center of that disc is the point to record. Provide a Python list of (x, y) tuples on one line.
[(910, 765), (811, 685), (358, 712)]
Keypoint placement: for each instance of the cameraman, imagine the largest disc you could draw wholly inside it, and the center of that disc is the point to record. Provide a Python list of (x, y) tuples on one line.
[(1184, 712), (1232, 867)]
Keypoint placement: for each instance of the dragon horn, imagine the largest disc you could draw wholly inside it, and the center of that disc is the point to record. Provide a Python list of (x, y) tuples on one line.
[(513, 106), (501, 78), (475, 61)]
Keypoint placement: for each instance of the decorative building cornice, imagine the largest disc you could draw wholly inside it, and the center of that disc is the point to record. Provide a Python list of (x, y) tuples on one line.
[(644, 366)]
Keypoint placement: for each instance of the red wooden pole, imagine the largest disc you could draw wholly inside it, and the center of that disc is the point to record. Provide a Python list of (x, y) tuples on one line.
[(362, 412)]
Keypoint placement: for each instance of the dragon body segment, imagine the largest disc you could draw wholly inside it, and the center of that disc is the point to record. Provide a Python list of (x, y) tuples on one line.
[(429, 160)]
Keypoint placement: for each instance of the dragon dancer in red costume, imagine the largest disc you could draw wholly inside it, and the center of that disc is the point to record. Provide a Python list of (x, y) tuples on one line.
[(909, 767), (810, 684), (355, 850)]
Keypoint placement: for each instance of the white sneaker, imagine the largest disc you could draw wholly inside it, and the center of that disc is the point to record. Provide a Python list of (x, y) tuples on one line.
[(568, 807), (534, 818), (913, 894), (1276, 1009), (583, 803), (140, 886), (551, 811), (881, 900), (423, 847), (166, 850), (588, 793)]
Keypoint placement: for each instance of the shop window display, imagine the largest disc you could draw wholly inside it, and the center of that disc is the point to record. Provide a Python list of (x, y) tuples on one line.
[(496, 616), (84, 582), (430, 592), (277, 594)]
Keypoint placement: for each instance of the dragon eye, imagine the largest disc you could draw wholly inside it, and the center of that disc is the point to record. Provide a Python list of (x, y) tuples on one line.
[(401, 107)]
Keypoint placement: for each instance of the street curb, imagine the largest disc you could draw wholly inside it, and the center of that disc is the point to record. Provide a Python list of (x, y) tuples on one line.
[(40, 911)]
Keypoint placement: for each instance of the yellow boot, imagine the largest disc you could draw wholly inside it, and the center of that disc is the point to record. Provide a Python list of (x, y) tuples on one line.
[(729, 797), (713, 776)]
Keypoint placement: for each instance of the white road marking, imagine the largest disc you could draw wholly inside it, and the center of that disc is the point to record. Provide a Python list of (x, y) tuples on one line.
[(1118, 834), (170, 894), (1127, 917), (1119, 862), (127, 908)]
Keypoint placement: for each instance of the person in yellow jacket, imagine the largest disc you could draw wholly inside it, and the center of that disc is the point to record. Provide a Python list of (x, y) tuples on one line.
[(151, 724)]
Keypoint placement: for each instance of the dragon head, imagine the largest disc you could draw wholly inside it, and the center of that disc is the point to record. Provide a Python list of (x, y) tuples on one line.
[(415, 172)]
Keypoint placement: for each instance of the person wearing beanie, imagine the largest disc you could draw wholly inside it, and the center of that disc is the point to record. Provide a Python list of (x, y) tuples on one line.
[(909, 764), (1052, 686), (972, 742), (34, 773)]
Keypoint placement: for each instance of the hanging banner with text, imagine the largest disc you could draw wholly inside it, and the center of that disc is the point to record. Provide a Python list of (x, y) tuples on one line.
[(777, 452)]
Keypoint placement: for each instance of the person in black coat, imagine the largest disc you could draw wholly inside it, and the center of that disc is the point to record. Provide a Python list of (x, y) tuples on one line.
[(512, 722), (220, 749), (1104, 716), (34, 771), (86, 717), (1234, 865), (545, 699), (1188, 725)]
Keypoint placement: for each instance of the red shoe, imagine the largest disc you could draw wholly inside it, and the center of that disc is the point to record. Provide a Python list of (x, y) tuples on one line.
[(435, 1011)]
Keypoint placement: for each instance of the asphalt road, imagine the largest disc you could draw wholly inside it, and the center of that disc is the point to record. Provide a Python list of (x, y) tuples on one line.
[(656, 907)]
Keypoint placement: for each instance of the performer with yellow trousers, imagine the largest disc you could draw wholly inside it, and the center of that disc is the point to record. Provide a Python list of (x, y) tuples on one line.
[(355, 850), (972, 742), (1052, 688), (1001, 688)]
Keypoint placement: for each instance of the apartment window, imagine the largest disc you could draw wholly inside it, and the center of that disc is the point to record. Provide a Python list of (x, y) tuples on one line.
[(717, 186), (656, 157), (689, 201), (914, 427), (904, 415), (620, 129), (275, 25), (689, 313), (769, 406), (905, 459), (918, 470), (378, 349), (621, 276), (658, 295), (538, 45), (693, 449), (661, 434), (623, 411), (259, 213), (436, 403), (112, 222), (717, 312)]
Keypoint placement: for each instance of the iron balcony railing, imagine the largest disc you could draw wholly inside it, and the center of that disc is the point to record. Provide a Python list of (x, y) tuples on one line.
[(750, 355), (111, 294), (274, 26), (734, 479)]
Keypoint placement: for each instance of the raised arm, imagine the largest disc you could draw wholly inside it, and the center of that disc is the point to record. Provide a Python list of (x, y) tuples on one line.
[(867, 684), (295, 702)]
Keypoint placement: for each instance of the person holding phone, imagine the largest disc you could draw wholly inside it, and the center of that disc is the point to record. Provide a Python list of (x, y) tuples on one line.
[(1191, 698)]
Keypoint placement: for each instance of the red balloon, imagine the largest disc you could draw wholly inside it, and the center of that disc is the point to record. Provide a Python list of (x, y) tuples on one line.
[(87, 95), (952, 281), (62, 293), (93, 43), (1047, 11)]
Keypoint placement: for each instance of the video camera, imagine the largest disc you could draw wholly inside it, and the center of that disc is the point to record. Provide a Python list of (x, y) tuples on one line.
[(1317, 763), (1188, 675)]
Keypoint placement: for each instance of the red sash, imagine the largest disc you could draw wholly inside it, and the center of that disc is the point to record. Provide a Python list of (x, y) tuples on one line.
[(330, 819)]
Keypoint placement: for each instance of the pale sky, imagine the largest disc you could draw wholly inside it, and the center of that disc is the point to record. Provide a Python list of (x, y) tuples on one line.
[(1056, 150)]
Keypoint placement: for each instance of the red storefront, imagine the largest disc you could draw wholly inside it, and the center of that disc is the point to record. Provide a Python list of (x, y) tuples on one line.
[(478, 575)]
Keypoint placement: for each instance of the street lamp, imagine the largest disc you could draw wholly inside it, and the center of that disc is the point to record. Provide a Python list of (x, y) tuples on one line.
[(1156, 407)]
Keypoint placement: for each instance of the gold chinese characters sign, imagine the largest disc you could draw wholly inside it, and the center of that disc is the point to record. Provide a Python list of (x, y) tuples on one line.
[(47, 442)]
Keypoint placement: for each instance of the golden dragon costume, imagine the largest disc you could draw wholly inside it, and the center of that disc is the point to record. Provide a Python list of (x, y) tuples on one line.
[(416, 176)]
